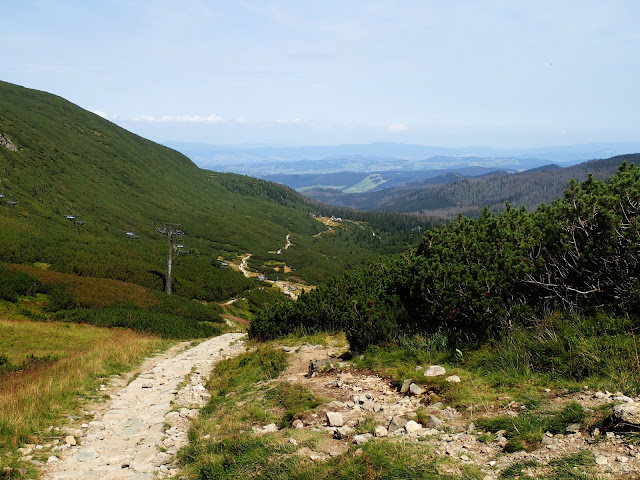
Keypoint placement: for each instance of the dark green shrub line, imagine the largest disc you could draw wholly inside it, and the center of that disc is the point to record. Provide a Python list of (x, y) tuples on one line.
[(474, 279), (165, 325), (30, 362)]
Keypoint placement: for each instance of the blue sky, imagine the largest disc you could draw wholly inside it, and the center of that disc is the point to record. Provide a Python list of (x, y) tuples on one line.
[(449, 73)]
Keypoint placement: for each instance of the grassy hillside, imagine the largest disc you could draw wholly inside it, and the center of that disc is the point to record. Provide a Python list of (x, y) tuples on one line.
[(72, 162)]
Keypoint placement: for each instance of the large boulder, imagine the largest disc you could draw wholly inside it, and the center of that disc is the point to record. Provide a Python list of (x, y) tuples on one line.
[(334, 419), (434, 371), (627, 413)]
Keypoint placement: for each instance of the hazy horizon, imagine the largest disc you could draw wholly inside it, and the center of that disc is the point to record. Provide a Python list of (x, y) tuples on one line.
[(495, 73)]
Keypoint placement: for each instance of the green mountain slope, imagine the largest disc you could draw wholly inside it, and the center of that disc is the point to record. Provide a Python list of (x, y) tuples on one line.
[(70, 161)]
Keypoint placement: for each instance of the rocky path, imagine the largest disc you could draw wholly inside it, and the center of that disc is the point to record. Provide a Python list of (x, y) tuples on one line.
[(286, 245), (243, 265), (132, 438)]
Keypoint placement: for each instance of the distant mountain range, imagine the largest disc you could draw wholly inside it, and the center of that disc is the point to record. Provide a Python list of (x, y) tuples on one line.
[(448, 194), (377, 157)]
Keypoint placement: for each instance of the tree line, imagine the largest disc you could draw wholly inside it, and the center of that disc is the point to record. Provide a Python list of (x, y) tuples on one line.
[(473, 278)]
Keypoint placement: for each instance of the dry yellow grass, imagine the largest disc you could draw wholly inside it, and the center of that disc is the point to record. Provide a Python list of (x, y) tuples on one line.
[(83, 355), (93, 292)]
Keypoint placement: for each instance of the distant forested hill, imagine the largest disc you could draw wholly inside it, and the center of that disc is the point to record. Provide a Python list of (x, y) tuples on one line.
[(470, 195)]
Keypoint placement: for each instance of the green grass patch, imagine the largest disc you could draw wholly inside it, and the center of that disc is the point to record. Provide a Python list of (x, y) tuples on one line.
[(295, 399), (575, 466), (525, 431)]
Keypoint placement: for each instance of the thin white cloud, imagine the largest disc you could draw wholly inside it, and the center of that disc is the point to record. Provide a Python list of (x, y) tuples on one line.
[(213, 118), (290, 122), (398, 128), (105, 115)]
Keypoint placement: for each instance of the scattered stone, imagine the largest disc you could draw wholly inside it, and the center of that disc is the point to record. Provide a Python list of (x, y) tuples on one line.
[(52, 460), (272, 427), (599, 395), (404, 388), (415, 389), (622, 459), (627, 413), (70, 440), (434, 422), (298, 423), (453, 379), (362, 438), (434, 371), (381, 431), (293, 441), (6, 142), (325, 365), (471, 428), (396, 423), (334, 419), (601, 460), (412, 426), (342, 432), (572, 428)]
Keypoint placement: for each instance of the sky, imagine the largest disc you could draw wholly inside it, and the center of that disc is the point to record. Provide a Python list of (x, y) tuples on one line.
[(254, 72)]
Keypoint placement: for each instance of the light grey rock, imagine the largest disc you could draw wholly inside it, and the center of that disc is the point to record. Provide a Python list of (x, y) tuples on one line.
[(368, 406), (6, 142), (272, 427), (627, 413), (453, 379), (362, 438), (334, 419), (70, 440), (381, 431), (344, 431), (601, 460), (435, 422), (412, 426), (85, 455), (404, 388), (52, 460), (396, 423), (434, 371), (572, 428), (415, 389), (298, 423)]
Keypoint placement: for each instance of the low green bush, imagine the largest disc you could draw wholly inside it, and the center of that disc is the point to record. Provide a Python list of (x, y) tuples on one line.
[(164, 325)]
